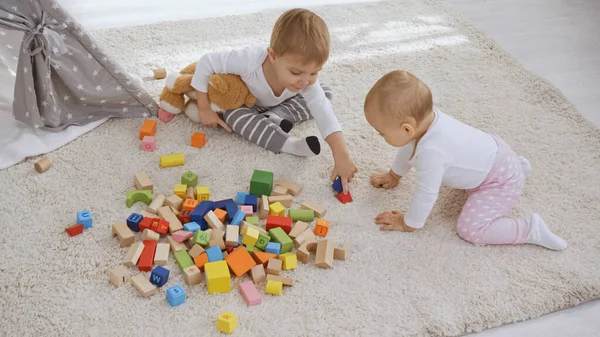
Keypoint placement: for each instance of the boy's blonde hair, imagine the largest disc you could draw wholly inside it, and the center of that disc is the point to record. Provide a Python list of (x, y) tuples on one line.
[(400, 94), (301, 32)]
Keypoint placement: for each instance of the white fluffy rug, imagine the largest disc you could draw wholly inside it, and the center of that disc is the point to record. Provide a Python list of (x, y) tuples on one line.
[(429, 282)]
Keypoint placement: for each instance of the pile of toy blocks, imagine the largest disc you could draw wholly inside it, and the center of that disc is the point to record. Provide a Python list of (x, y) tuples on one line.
[(251, 235)]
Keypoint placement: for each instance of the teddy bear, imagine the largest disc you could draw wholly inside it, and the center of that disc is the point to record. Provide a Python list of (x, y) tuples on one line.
[(225, 92)]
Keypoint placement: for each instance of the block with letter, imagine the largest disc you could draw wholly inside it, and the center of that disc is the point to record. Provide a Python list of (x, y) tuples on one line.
[(159, 276)]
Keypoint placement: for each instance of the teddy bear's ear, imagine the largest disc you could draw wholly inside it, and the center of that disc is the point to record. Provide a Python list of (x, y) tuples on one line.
[(218, 82), (250, 101)]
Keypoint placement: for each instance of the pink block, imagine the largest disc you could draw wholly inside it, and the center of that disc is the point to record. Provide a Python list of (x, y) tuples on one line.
[(149, 143), (247, 209), (164, 115), (181, 235), (250, 293)]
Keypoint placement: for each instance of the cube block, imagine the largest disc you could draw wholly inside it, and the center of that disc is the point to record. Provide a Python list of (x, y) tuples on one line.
[(149, 143), (227, 322), (198, 140), (84, 217), (217, 277), (159, 276), (175, 295), (276, 209), (202, 193), (240, 261), (274, 287), (261, 183)]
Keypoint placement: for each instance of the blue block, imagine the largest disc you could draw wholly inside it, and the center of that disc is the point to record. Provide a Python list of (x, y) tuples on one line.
[(273, 248), (85, 218), (222, 204), (337, 185), (231, 209), (175, 295), (200, 211), (191, 227), (253, 201), (241, 198), (159, 276), (237, 219), (214, 254), (133, 221)]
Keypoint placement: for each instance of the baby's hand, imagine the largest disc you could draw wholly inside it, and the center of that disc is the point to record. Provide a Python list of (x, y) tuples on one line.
[(393, 221), (385, 179), (211, 119)]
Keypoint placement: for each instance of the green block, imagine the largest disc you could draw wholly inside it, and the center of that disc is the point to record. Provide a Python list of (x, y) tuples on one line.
[(183, 259), (202, 238), (134, 196), (306, 215), (261, 183), (252, 219), (190, 179), (263, 240), (253, 249), (278, 235)]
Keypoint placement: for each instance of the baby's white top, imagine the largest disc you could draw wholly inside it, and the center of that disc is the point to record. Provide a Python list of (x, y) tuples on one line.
[(450, 153), (247, 63)]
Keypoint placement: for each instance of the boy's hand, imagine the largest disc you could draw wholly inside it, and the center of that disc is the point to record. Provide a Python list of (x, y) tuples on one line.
[(211, 119), (345, 169), (393, 221), (385, 179)]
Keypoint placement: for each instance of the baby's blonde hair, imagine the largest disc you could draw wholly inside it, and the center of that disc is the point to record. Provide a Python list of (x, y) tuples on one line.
[(400, 94), (301, 32)]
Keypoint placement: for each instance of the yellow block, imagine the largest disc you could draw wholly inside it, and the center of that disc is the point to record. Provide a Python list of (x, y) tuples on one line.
[(276, 209), (172, 160), (274, 287), (251, 236), (290, 261), (227, 322), (202, 193), (180, 190), (218, 278)]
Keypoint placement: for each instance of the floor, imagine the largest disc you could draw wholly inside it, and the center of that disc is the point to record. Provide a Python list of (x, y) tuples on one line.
[(557, 39)]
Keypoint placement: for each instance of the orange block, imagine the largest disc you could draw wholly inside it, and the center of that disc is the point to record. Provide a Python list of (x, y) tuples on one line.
[(201, 260), (321, 228), (240, 261), (190, 204), (262, 257), (148, 128), (198, 139), (221, 214)]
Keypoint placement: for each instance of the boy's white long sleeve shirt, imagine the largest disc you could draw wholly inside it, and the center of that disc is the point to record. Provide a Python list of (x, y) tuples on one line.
[(247, 63)]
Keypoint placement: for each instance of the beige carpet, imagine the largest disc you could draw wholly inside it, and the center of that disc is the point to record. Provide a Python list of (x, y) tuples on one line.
[(425, 283)]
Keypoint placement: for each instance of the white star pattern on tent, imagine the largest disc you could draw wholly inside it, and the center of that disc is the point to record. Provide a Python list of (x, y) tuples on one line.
[(44, 103), (145, 114), (9, 46), (25, 70), (66, 98), (103, 101), (10, 16), (98, 88), (69, 116), (119, 88), (80, 87), (15, 8), (82, 98), (95, 72), (55, 5), (75, 69), (2, 33), (125, 109)]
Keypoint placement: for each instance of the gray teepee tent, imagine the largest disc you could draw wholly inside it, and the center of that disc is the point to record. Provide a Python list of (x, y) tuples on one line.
[(63, 77)]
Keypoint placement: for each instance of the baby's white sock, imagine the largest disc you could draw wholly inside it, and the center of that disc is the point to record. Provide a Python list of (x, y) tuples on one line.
[(540, 234), (303, 147)]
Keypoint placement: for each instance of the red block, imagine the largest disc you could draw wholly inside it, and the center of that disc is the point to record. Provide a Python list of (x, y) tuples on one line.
[(146, 223), (147, 258), (160, 226), (184, 216), (229, 249), (74, 230), (344, 198), (279, 221)]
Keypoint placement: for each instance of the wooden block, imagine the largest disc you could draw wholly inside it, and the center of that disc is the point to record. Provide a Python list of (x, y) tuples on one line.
[(247, 209), (221, 214), (250, 237), (250, 293), (149, 143), (160, 73), (217, 242), (74, 230), (149, 234), (240, 261), (257, 273), (340, 251), (307, 236), (344, 198), (263, 208), (218, 278), (160, 226), (190, 193), (176, 246), (134, 196), (183, 259), (263, 241), (216, 233), (286, 281), (119, 276), (133, 254), (301, 214), (185, 216), (279, 191), (263, 258), (201, 260), (319, 210), (232, 235), (227, 322), (282, 222), (181, 236), (174, 223), (143, 285), (289, 261), (175, 211), (276, 209), (196, 250), (198, 140), (202, 193), (156, 203), (274, 266), (175, 201), (42, 165), (280, 236), (293, 188), (125, 235), (303, 252), (324, 255), (175, 159), (213, 221), (190, 179), (274, 287), (245, 225), (147, 258), (161, 256), (159, 276), (321, 228), (180, 190), (298, 229), (148, 128), (146, 214), (285, 200), (192, 275), (190, 204)]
